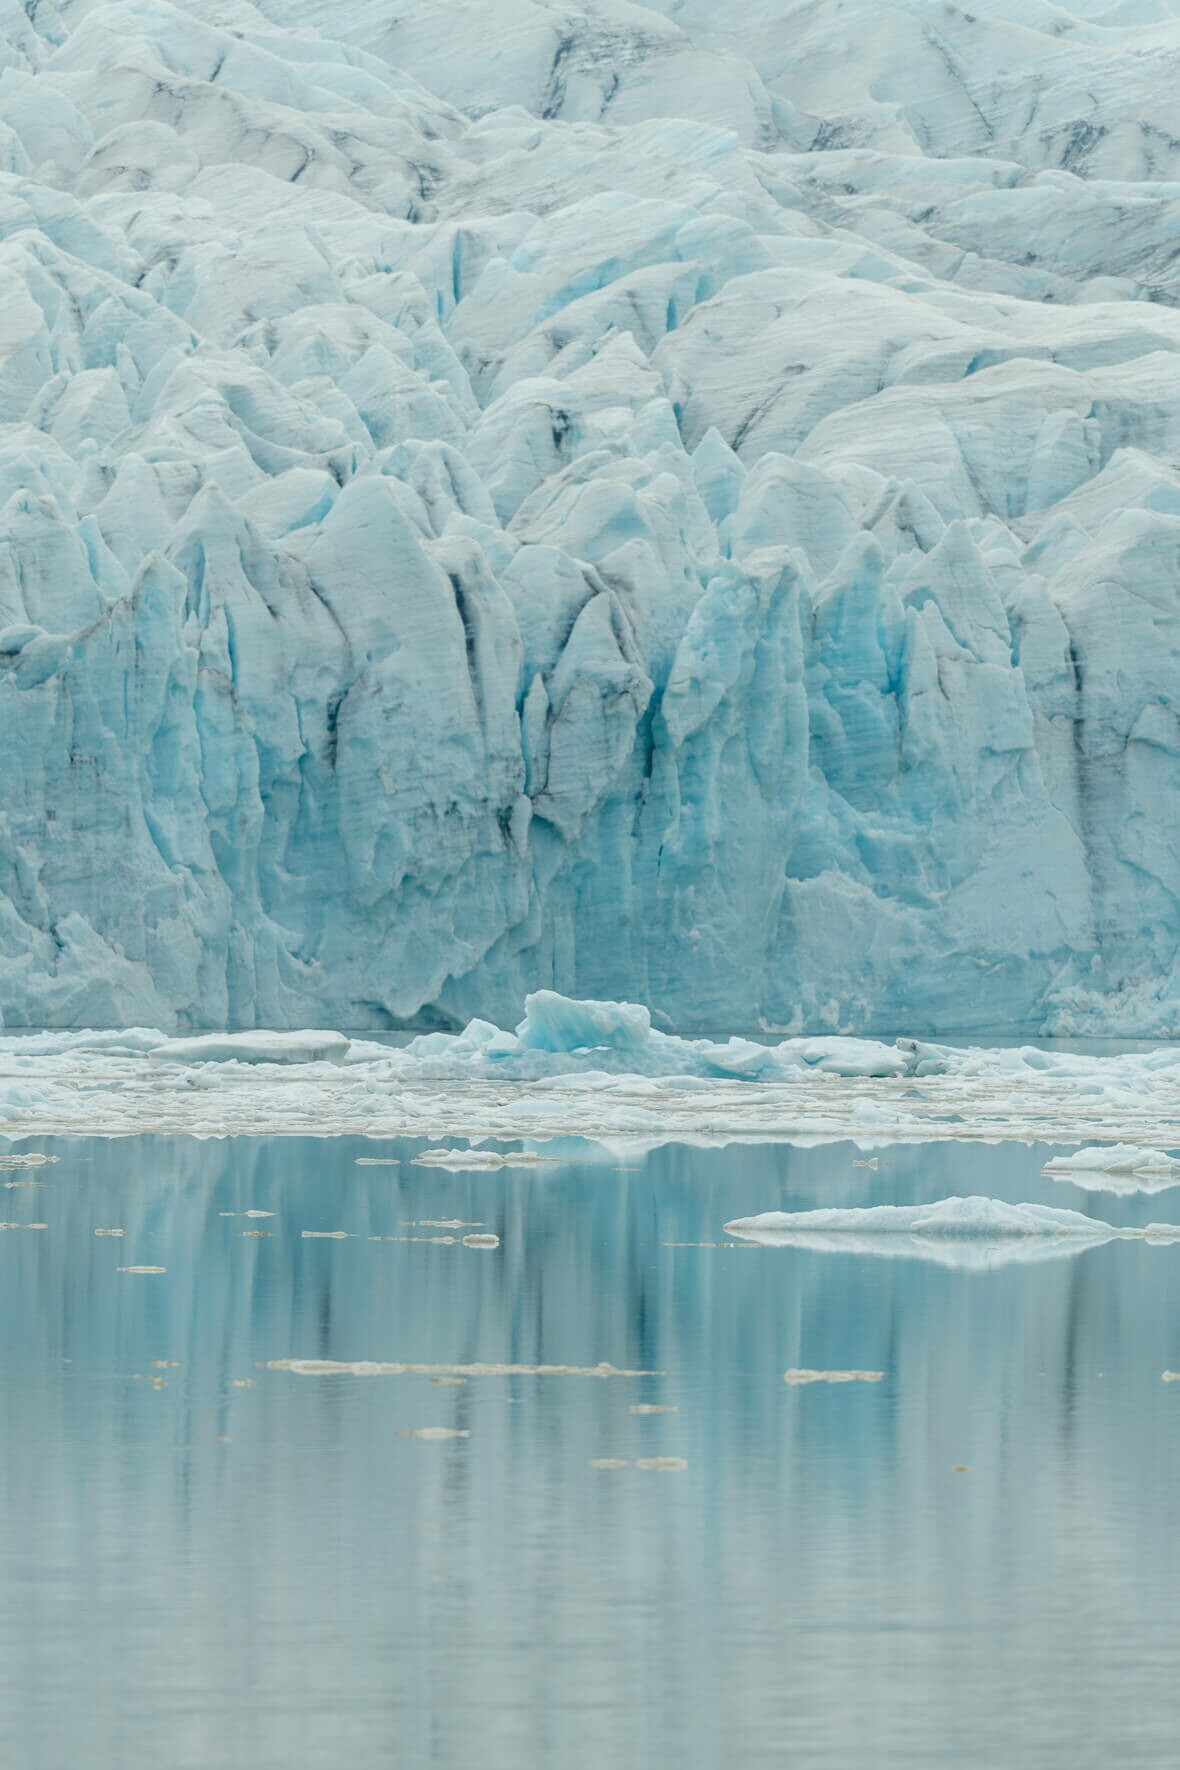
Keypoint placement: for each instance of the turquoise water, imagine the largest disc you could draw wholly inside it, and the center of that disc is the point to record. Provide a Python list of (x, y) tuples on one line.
[(973, 1562)]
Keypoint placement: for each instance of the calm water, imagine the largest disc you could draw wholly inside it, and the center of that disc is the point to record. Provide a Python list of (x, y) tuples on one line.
[(201, 1576)]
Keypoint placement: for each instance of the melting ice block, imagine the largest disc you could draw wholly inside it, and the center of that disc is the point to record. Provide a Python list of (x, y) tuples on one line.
[(254, 1047), (953, 1231), (1116, 1167)]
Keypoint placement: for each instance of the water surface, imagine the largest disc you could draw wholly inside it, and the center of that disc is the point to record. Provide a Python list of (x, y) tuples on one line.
[(207, 1564)]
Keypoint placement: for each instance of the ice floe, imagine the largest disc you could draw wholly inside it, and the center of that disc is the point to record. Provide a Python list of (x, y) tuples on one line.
[(797, 1377), (1117, 1167), (596, 1070), (326, 1367), (963, 1232), (465, 1160)]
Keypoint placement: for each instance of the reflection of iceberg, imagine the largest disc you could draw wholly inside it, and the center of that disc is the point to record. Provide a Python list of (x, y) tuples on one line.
[(972, 1233), (1116, 1167)]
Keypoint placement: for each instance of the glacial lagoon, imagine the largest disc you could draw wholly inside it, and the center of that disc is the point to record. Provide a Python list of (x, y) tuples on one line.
[(219, 1552)]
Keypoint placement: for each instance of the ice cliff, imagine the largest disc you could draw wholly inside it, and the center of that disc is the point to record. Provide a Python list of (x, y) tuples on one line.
[(677, 501)]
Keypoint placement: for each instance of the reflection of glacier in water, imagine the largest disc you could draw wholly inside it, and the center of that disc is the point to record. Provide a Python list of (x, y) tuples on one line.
[(306, 1568)]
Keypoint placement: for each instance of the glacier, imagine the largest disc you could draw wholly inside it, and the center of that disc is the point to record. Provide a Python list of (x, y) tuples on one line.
[(667, 500)]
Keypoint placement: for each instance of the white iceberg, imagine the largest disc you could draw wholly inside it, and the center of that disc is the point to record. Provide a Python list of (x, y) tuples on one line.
[(1116, 1167), (972, 1233), (461, 1161)]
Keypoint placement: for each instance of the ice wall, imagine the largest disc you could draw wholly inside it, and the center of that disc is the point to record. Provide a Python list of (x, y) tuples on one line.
[(675, 501)]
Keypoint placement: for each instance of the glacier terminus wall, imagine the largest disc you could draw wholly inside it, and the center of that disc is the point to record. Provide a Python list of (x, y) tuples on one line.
[(677, 501)]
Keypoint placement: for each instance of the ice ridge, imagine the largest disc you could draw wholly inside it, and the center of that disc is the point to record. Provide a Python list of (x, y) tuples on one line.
[(685, 506)]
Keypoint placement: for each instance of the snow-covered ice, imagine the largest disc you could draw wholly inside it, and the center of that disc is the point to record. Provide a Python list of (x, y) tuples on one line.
[(674, 500)]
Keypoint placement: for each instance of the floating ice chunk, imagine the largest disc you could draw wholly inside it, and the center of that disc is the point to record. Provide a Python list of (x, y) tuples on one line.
[(1116, 1158), (459, 1160), (434, 1432), (250, 1047), (481, 1241), (326, 1235), (670, 1464), (326, 1367), (795, 1377), (990, 1218), (965, 1232), (141, 1269), (1116, 1167), (557, 1023)]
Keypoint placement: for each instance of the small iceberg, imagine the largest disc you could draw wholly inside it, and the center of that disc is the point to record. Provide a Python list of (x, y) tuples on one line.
[(800, 1378), (472, 1160), (1116, 1167), (254, 1047), (963, 1232)]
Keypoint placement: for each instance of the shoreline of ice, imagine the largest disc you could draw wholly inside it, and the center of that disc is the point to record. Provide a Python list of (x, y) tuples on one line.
[(597, 1070)]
